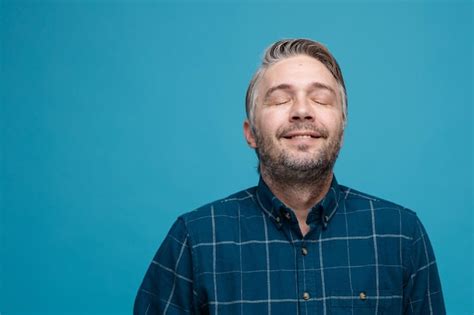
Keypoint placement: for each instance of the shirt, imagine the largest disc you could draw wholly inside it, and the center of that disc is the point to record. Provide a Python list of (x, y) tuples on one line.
[(245, 254)]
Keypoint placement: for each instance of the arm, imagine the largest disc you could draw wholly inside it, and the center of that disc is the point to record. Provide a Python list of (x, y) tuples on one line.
[(168, 284), (422, 292)]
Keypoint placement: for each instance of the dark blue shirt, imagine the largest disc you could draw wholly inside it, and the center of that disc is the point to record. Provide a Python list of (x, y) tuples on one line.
[(245, 254)]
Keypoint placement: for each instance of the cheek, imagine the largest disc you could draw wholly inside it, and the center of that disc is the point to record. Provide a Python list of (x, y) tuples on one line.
[(269, 121), (331, 119)]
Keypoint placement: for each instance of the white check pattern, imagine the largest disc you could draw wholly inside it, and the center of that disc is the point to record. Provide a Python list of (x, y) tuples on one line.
[(245, 255)]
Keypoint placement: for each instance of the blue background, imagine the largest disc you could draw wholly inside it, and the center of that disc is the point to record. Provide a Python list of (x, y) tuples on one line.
[(117, 117)]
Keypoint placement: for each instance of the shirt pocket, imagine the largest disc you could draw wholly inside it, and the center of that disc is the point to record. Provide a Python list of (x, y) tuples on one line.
[(363, 302)]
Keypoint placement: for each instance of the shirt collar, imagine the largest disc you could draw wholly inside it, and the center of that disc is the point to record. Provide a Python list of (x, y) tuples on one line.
[(278, 212)]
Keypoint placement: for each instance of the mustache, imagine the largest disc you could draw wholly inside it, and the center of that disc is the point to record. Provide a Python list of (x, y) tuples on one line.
[(302, 126)]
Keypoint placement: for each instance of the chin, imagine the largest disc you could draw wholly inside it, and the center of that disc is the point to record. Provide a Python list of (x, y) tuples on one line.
[(303, 163)]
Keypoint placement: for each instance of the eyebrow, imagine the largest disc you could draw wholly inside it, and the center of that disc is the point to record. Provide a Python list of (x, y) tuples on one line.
[(322, 86), (284, 86)]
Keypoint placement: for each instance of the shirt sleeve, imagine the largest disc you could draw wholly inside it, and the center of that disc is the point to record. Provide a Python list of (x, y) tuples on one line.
[(422, 293), (168, 284)]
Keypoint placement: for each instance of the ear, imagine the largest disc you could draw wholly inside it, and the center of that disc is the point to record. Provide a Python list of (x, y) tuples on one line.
[(249, 136)]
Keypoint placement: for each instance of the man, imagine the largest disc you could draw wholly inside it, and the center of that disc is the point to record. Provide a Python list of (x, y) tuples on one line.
[(299, 242)]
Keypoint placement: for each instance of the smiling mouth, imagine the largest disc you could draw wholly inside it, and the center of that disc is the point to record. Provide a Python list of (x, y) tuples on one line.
[(299, 135)]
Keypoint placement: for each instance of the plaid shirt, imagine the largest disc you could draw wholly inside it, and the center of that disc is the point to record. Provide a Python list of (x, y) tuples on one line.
[(246, 255)]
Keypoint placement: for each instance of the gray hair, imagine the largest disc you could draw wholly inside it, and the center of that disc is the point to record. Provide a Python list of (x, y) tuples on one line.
[(289, 48)]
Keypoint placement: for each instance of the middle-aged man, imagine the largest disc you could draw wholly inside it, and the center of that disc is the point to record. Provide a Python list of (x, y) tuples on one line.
[(299, 242)]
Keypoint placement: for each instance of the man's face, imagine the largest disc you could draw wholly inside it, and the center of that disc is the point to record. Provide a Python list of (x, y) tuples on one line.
[(298, 119)]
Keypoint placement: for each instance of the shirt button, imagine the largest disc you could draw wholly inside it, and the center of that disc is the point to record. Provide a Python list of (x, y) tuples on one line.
[(306, 296), (362, 296), (304, 251), (288, 215), (277, 219)]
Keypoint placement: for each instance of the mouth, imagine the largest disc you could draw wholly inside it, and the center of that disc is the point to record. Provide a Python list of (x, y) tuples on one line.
[(302, 135)]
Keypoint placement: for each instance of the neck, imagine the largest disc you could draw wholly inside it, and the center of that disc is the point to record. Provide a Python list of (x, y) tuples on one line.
[(299, 196)]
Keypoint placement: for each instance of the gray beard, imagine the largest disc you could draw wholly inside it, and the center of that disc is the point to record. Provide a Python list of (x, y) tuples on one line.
[(286, 171)]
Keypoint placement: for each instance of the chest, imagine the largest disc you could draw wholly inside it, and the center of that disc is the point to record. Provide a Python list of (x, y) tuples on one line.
[(328, 271)]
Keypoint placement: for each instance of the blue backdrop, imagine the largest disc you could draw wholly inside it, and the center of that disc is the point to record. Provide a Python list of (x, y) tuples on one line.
[(117, 117)]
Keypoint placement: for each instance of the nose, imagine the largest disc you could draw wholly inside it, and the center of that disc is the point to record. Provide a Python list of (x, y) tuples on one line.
[(301, 111)]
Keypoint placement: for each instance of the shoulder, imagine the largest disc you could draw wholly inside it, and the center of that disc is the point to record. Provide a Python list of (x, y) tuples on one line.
[(221, 207), (222, 212), (358, 201), (386, 215)]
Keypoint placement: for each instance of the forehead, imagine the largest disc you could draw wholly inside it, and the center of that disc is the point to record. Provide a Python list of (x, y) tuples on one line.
[(297, 71)]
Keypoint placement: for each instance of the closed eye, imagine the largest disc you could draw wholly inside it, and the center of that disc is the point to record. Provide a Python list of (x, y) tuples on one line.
[(281, 102), (318, 101), (278, 102)]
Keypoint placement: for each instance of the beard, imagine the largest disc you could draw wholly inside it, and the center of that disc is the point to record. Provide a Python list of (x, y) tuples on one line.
[(289, 168)]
